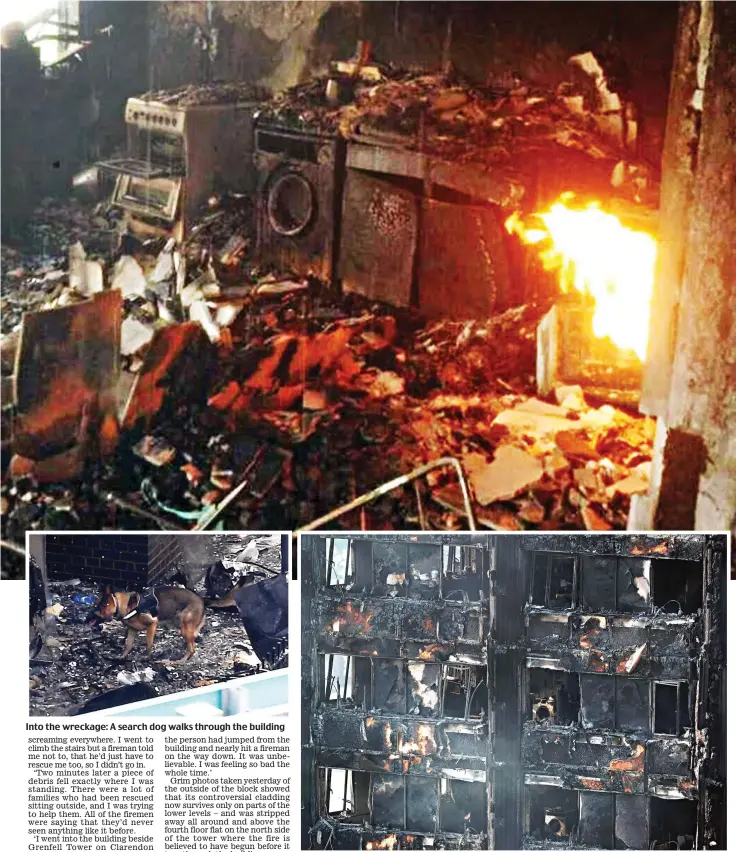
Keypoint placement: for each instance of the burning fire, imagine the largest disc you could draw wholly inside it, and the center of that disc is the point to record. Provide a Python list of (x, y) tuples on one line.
[(388, 842), (595, 253)]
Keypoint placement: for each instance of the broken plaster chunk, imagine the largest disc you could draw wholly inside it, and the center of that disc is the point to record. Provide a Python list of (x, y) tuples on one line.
[(538, 419), (570, 397), (134, 335), (164, 269), (511, 472), (199, 312), (634, 659), (226, 314), (634, 484), (128, 277), (380, 383), (576, 446), (586, 478)]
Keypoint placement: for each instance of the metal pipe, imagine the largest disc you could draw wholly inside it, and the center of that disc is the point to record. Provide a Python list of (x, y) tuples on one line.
[(392, 485), (143, 513)]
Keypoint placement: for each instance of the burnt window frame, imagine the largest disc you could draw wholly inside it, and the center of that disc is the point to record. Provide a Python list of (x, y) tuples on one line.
[(357, 581), (661, 607), (324, 701), (526, 826), (324, 777), (573, 839), (616, 608), (324, 780), (469, 692), (551, 557), (682, 686), (529, 704), (325, 663), (328, 567), (617, 679)]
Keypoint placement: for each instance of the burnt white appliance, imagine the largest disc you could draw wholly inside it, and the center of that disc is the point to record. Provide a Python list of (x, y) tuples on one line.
[(299, 185), (180, 151)]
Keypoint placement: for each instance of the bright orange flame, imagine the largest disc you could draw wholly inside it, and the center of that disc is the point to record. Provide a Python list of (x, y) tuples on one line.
[(388, 842), (596, 254)]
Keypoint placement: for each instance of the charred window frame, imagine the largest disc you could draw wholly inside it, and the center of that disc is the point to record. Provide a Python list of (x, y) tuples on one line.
[(615, 702), (550, 814), (671, 707), (454, 691), (464, 691), (615, 584), (399, 569), (672, 822), (553, 696), (613, 820), (679, 582), (402, 802), (626, 584), (346, 680), (343, 794), (560, 817), (462, 572), (552, 580), (339, 562)]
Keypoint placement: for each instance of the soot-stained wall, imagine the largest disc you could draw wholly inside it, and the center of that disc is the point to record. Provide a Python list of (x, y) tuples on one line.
[(281, 43)]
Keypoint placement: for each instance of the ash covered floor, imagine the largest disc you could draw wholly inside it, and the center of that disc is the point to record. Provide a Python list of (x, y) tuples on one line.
[(77, 664)]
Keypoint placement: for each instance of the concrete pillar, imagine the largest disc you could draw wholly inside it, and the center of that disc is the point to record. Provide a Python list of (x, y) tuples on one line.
[(699, 397)]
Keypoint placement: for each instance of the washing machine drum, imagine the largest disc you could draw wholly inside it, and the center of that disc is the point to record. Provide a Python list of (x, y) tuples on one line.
[(291, 204)]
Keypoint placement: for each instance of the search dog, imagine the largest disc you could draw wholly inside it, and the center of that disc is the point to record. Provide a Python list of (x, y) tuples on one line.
[(138, 613)]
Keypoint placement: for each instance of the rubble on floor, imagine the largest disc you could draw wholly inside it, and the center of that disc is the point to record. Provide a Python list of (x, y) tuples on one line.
[(252, 398), (314, 400), (75, 663)]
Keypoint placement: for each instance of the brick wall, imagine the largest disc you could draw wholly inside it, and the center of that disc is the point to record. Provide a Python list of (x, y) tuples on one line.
[(120, 559), (164, 554)]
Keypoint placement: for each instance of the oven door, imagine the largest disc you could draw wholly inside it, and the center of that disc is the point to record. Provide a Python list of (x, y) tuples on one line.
[(150, 196)]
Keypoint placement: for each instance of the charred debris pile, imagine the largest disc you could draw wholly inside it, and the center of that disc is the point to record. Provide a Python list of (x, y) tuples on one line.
[(186, 384), (73, 668)]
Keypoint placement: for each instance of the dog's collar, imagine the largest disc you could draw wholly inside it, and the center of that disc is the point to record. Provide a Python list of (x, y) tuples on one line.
[(117, 613)]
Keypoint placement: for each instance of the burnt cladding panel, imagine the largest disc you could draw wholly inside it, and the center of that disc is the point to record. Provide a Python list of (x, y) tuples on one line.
[(599, 583), (596, 824), (510, 584), (632, 822), (597, 700)]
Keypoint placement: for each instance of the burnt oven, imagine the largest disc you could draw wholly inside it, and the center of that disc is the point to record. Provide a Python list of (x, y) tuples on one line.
[(178, 154)]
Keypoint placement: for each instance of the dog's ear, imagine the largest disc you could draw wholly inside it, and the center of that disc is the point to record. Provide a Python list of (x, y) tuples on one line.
[(134, 600), (105, 590)]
